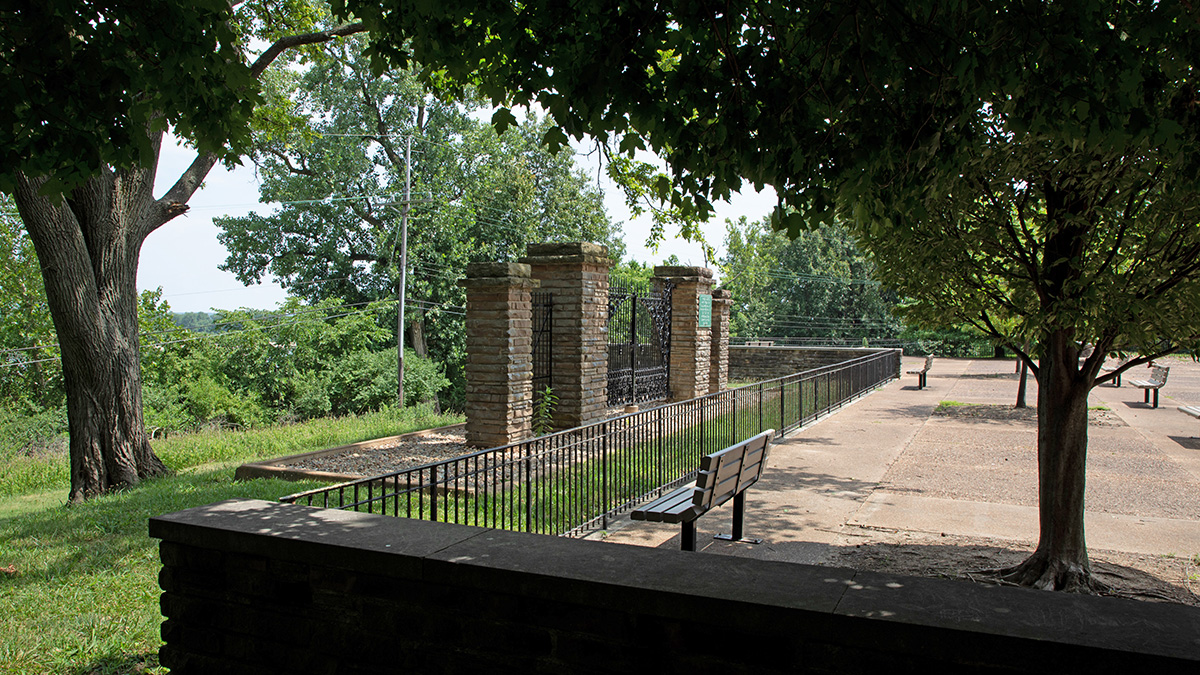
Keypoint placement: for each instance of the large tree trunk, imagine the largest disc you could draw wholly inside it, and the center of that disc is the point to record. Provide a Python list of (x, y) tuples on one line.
[(88, 248), (1061, 560)]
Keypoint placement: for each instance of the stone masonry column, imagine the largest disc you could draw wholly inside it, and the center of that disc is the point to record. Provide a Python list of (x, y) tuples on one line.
[(718, 372), (499, 368), (691, 344), (577, 276)]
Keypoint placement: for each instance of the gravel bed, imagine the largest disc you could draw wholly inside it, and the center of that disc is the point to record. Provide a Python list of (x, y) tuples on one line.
[(405, 453), (397, 456)]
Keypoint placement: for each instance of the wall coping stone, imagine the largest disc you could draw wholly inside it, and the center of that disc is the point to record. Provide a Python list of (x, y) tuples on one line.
[(1016, 628), (675, 271), (497, 269), (571, 248), (572, 253), (499, 282)]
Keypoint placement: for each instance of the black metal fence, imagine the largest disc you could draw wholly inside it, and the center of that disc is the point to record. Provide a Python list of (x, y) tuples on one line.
[(574, 481)]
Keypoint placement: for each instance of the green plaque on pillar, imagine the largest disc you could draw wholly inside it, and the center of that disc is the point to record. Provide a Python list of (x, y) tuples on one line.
[(705, 303)]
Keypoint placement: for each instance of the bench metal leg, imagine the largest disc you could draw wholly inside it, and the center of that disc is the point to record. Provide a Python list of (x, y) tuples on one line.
[(1155, 398), (739, 513), (687, 535)]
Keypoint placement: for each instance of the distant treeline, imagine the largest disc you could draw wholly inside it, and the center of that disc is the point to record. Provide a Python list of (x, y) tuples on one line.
[(201, 322)]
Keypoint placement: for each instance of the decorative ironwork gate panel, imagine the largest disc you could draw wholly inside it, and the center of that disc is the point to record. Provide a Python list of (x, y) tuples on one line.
[(639, 344), (543, 344)]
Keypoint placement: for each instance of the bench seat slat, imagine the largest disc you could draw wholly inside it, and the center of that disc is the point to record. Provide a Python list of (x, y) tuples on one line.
[(674, 501)]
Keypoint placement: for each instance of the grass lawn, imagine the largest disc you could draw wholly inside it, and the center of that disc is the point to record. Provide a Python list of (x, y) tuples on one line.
[(79, 585)]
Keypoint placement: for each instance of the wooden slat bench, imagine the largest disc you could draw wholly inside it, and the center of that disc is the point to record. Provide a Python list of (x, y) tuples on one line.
[(1158, 377), (922, 371), (1108, 369), (723, 474), (1193, 410)]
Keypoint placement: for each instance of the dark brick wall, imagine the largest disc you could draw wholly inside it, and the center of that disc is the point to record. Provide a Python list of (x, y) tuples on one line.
[(764, 363), (260, 587)]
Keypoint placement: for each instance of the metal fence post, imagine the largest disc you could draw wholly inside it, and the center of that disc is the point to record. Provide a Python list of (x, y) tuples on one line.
[(662, 451), (528, 490), (433, 510), (604, 473)]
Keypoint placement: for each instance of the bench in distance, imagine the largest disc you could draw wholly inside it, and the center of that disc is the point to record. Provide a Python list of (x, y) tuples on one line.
[(922, 371), (723, 474), (1158, 377)]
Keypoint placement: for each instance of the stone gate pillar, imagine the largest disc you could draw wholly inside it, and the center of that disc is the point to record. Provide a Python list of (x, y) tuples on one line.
[(691, 342), (576, 274), (718, 372), (499, 368)]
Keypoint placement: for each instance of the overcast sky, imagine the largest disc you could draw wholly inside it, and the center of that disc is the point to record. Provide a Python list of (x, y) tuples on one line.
[(182, 256)]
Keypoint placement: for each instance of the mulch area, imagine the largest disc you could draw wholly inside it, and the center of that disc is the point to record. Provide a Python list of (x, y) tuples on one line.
[(1096, 417)]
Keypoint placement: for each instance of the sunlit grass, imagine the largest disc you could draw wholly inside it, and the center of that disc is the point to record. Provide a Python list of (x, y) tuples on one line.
[(21, 474), (82, 596)]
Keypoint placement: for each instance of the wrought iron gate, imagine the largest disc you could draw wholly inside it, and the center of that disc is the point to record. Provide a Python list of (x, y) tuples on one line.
[(639, 344), (543, 324)]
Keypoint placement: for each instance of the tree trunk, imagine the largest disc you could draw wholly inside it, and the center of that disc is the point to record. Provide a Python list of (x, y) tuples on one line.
[(1022, 386), (88, 248), (1061, 560)]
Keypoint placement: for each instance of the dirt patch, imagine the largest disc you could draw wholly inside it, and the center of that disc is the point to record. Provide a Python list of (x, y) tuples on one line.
[(1128, 575), (1096, 417)]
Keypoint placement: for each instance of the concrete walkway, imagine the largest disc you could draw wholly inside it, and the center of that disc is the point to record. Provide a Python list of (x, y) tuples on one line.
[(887, 463)]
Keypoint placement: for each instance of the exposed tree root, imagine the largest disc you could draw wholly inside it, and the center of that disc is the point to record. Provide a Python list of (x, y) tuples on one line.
[(1042, 572)]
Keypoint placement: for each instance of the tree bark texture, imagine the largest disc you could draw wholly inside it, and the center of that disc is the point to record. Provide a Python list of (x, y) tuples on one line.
[(1060, 561), (88, 246)]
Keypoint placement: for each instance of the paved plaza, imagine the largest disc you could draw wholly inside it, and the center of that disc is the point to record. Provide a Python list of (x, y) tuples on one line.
[(888, 463)]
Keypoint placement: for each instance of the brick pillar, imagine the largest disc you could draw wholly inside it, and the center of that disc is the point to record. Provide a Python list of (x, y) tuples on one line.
[(577, 276), (718, 372), (690, 344), (499, 368)]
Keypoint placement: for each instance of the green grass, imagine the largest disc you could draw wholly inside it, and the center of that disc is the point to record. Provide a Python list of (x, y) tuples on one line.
[(84, 595), (25, 474)]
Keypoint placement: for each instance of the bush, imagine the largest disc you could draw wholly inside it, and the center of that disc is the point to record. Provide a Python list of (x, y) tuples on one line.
[(960, 343), (164, 412), (38, 432), (211, 404)]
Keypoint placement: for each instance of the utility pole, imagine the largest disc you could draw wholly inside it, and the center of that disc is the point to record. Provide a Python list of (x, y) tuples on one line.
[(403, 273)]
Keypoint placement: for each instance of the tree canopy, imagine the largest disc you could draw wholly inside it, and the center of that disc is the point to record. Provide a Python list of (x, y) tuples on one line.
[(83, 84), (337, 170)]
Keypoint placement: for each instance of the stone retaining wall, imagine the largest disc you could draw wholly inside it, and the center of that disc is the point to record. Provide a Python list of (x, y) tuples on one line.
[(764, 363), (259, 587)]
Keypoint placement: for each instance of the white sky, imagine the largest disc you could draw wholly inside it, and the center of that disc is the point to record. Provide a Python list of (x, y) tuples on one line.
[(182, 256)]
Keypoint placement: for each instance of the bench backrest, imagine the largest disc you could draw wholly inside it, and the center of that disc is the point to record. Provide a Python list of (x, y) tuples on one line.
[(727, 472), (928, 361), (1159, 374)]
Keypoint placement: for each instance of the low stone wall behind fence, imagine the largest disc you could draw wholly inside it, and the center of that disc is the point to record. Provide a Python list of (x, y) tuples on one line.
[(258, 587), (752, 364)]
